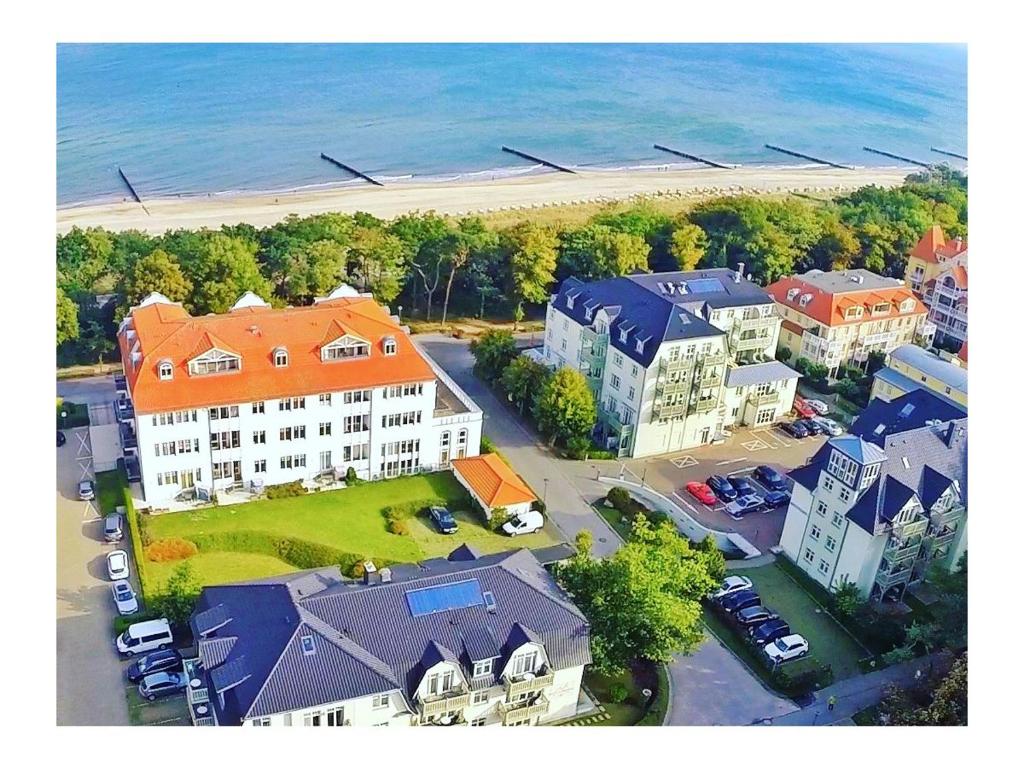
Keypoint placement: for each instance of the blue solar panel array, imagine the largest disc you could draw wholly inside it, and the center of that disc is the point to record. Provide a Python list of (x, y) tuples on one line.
[(705, 285), (446, 597)]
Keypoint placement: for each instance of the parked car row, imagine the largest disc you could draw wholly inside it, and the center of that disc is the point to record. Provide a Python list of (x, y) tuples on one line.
[(742, 607), (740, 495), (810, 427), (523, 523), (160, 672)]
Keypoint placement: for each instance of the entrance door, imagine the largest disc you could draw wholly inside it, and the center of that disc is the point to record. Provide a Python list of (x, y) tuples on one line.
[(705, 435), (188, 479)]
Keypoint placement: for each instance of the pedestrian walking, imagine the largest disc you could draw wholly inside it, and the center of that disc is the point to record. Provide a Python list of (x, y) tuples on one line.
[(831, 703)]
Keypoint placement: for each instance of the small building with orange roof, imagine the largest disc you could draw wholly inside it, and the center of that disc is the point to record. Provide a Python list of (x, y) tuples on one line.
[(932, 255), (259, 396), (839, 318), (493, 484)]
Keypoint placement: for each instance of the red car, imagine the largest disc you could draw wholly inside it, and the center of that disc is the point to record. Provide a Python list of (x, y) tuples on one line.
[(801, 407), (702, 492)]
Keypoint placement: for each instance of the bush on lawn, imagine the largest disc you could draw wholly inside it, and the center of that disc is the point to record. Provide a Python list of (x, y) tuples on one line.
[(409, 509), (298, 552), (800, 684), (398, 527), (499, 516), (583, 448), (285, 490), (617, 693), (166, 550), (351, 478), (629, 507)]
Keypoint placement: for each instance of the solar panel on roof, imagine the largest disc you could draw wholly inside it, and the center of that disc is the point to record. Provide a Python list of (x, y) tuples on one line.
[(704, 285), (444, 597)]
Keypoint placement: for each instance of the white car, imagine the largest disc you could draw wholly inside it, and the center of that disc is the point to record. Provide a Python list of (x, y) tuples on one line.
[(744, 505), (117, 565), (124, 598), (833, 428), (787, 648), (732, 584), (527, 522), (819, 406)]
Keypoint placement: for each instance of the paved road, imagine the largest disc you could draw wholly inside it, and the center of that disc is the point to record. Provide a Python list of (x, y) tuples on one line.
[(89, 687), (566, 492), (712, 687), (93, 390)]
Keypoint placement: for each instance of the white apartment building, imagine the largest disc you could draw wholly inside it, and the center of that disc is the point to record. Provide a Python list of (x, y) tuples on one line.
[(465, 640), (672, 358), (880, 506), (261, 396)]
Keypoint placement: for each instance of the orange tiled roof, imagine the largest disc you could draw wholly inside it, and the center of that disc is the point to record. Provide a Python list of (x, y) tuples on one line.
[(933, 244), (493, 480), (830, 308), (167, 332), (959, 274), (962, 354)]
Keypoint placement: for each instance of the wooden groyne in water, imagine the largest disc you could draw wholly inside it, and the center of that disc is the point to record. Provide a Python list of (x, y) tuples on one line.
[(535, 159), (131, 188), (802, 156), (946, 152), (897, 157), (350, 169), (695, 158)]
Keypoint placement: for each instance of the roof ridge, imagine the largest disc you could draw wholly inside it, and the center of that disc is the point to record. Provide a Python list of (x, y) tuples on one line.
[(346, 644), (277, 663)]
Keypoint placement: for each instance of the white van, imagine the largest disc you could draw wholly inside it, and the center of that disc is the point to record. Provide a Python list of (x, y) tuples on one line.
[(145, 636), (526, 522)]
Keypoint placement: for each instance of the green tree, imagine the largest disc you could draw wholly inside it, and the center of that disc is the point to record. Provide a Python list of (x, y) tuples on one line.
[(714, 560), (224, 270), (565, 407), (314, 269), (67, 317), (493, 350), (643, 602), (380, 261), (688, 245), (929, 702), (620, 253), (532, 255), (158, 271), (522, 380), (178, 598)]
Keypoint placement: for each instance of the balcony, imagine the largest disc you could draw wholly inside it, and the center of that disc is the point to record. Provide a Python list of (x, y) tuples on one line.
[(945, 518), (894, 577), (942, 537), (907, 531), (531, 684), (519, 712), (451, 702), (669, 411), (754, 342), (197, 694), (902, 552), (705, 406), (714, 358), (756, 323), (768, 398), (715, 380)]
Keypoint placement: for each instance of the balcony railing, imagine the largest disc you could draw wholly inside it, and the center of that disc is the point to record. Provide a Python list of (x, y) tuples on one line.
[(943, 519), (714, 358), (755, 342), (664, 386), (447, 703), (768, 398), (754, 323), (669, 411), (523, 711), (705, 406), (899, 554), (916, 527), (891, 578), (943, 537), (710, 381), (528, 685)]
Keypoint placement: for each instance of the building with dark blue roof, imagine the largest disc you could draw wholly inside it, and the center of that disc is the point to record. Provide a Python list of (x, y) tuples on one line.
[(469, 639), (880, 506), (673, 358)]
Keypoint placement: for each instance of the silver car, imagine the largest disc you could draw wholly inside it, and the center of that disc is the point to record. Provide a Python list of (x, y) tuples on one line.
[(831, 427), (124, 598), (86, 490)]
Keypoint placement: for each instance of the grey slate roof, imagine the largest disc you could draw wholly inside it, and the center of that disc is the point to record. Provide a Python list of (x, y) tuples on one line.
[(922, 461), (366, 641), (904, 413), (650, 310), (759, 373), (931, 364), (858, 449), (841, 281), (907, 384)]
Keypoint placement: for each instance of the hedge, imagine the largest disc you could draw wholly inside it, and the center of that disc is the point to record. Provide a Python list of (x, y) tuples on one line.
[(298, 552), (134, 530), (286, 490), (408, 509)]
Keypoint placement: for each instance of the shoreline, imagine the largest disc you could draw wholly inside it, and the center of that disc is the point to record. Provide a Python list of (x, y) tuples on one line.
[(464, 197)]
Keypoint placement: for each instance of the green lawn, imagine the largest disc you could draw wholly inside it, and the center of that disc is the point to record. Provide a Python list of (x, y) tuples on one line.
[(210, 568), (109, 491), (830, 643), (349, 520), (632, 710), (616, 520)]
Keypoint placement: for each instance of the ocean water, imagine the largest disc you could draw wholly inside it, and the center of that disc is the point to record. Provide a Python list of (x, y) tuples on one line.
[(216, 119)]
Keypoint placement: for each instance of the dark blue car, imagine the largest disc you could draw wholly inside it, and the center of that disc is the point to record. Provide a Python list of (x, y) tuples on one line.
[(770, 478), (740, 600), (443, 520), (776, 499), (743, 486), (770, 631), (795, 429), (722, 487)]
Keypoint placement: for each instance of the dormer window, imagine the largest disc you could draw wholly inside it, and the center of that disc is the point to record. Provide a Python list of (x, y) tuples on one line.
[(570, 301), (214, 361), (482, 668), (524, 662), (805, 299), (166, 370), (853, 313), (280, 357), (791, 293), (348, 347), (623, 335), (390, 346), (589, 312), (882, 308), (907, 305), (640, 345)]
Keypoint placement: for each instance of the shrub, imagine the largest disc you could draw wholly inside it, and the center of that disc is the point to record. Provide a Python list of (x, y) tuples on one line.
[(499, 516), (619, 498), (121, 623), (286, 490), (166, 550), (351, 478), (782, 354), (408, 509), (802, 683), (617, 693), (145, 536), (298, 552), (487, 445), (398, 527), (540, 506)]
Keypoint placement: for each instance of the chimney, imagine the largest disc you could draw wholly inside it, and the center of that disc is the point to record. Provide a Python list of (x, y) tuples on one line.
[(370, 576), (952, 433), (385, 575), (739, 272)]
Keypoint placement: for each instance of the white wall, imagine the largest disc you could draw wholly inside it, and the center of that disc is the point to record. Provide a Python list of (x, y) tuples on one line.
[(359, 712)]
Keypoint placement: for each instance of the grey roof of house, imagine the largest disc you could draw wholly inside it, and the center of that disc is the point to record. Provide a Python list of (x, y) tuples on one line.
[(931, 364), (907, 384), (759, 373), (841, 281), (857, 449), (904, 413), (365, 639), (922, 461)]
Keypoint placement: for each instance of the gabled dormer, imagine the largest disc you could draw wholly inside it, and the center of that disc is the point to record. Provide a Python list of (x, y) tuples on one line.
[(854, 462), (344, 346), (525, 654), (442, 673), (214, 359)]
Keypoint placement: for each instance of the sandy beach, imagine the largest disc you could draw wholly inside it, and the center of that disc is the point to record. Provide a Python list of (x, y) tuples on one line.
[(463, 198)]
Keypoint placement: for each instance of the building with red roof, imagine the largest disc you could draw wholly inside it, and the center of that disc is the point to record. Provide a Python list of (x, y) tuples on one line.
[(930, 257), (260, 396), (839, 318)]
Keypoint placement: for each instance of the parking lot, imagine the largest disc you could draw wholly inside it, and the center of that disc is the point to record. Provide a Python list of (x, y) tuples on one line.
[(745, 450)]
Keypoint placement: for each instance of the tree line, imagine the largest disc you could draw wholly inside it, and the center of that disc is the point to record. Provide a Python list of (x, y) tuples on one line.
[(435, 265)]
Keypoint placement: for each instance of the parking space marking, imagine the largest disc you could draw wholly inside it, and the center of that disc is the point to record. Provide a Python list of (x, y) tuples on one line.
[(756, 445), (774, 434), (685, 461), (729, 461), (90, 514), (686, 502)]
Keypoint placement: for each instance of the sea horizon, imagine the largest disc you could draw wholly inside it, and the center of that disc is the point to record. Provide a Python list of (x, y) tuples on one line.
[(235, 119)]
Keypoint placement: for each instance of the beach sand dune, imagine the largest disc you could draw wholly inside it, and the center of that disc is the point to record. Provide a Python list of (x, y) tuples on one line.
[(459, 198)]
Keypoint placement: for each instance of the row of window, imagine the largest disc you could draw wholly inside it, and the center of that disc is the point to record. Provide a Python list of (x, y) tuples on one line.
[(830, 542), (287, 404), (401, 419), (174, 417), (174, 448), (401, 446), (403, 390)]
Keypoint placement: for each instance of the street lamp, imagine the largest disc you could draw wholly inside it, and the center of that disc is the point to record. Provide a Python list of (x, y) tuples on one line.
[(545, 499), (399, 314)]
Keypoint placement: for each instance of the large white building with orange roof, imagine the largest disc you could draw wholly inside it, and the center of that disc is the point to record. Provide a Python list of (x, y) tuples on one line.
[(259, 396), (937, 272), (839, 318)]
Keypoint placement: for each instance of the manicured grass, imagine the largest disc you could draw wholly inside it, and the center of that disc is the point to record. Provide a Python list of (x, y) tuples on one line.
[(109, 491), (634, 709), (210, 568), (830, 643), (77, 415), (615, 519), (349, 520)]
